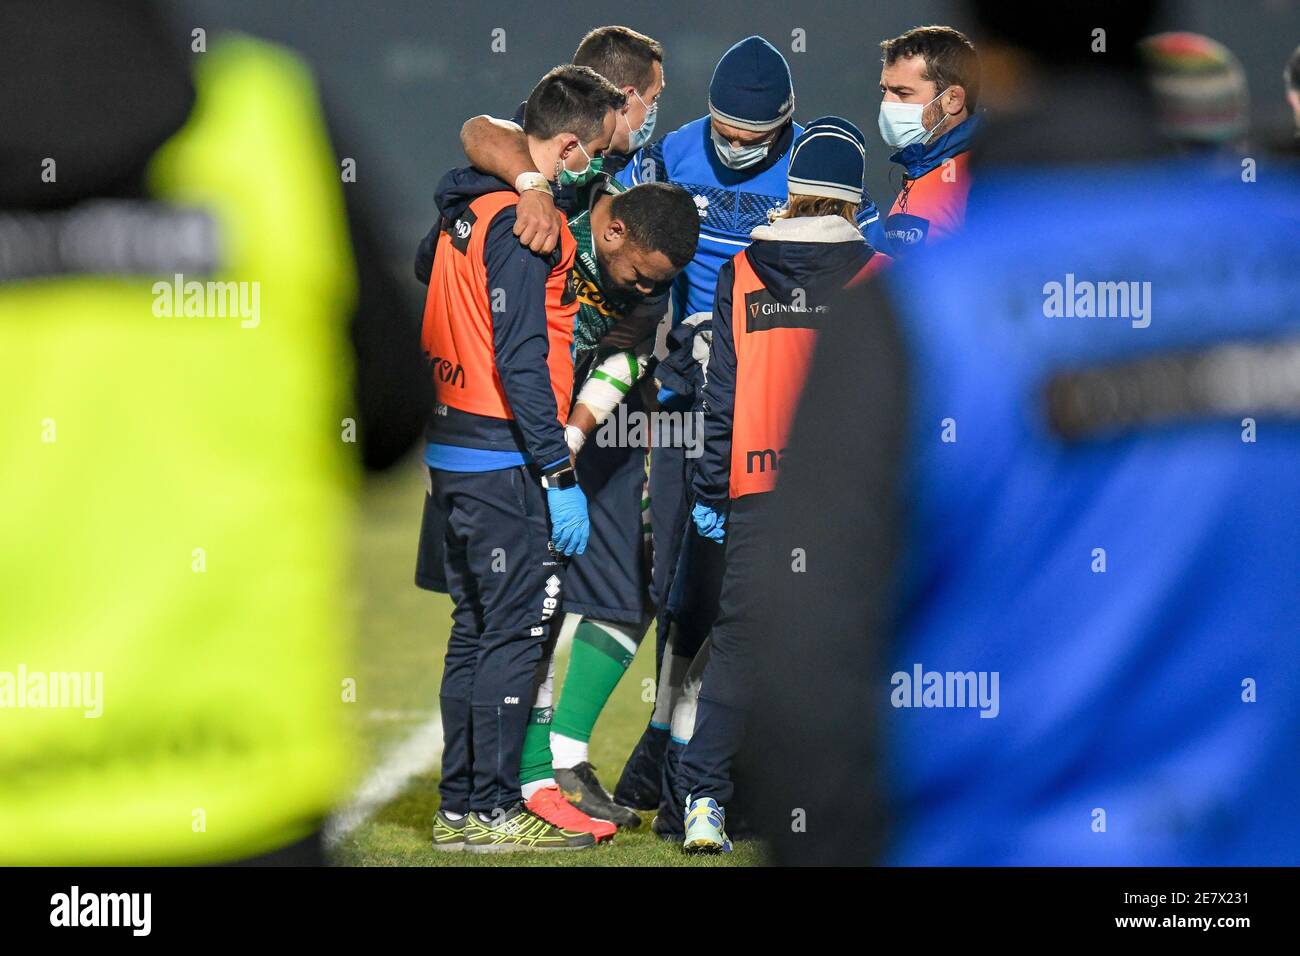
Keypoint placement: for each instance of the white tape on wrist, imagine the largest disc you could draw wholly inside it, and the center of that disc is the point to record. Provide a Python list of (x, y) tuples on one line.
[(575, 437), (526, 181)]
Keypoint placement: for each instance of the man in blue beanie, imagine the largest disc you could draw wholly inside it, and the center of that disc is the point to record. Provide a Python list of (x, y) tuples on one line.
[(733, 161)]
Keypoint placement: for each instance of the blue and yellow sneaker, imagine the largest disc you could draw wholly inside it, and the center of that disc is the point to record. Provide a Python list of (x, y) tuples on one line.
[(705, 823)]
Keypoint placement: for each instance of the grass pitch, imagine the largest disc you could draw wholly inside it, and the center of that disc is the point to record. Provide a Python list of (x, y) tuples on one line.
[(402, 635)]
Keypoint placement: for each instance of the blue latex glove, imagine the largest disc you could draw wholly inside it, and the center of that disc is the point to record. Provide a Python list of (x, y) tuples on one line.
[(570, 526), (708, 521)]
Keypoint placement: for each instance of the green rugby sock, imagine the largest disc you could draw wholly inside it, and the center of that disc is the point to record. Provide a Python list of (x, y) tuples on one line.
[(535, 761), (602, 653), (535, 758)]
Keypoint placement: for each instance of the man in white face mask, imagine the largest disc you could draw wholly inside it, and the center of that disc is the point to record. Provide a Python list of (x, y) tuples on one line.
[(929, 84), (751, 103)]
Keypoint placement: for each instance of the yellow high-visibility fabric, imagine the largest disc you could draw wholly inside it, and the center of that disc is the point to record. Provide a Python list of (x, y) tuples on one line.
[(177, 506)]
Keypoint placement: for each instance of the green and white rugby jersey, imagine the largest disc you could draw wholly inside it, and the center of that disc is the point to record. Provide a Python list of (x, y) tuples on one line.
[(597, 311), (600, 310)]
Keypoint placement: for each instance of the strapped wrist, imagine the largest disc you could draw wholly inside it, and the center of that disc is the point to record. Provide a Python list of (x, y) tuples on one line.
[(533, 180)]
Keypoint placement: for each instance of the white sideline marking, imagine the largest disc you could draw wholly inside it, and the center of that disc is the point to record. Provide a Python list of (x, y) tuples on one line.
[(419, 752)]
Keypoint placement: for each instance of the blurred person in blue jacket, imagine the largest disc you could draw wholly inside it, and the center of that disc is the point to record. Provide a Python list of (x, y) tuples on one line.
[(1048, 608)]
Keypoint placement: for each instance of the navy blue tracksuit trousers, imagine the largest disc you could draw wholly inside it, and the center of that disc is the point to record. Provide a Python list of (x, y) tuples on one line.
[(504, 577), (728, 681)]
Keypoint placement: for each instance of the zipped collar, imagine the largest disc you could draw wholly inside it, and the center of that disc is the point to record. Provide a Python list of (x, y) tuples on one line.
[(920, 158)]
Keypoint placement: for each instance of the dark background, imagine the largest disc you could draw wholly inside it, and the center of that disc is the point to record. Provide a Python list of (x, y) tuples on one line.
[(400, 76)]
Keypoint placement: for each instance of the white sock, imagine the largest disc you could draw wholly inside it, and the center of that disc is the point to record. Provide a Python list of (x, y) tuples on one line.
[(529, 789), (688, 698), (567, 753), (453, 817)]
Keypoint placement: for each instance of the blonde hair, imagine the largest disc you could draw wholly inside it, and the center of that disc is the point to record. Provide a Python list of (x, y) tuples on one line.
[(799, 206)]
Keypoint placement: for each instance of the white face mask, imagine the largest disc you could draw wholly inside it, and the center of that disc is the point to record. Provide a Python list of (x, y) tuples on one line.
[(738, 157), (901, 126)]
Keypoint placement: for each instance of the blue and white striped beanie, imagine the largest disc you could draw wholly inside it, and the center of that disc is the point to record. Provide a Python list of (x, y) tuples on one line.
[(828, 160)]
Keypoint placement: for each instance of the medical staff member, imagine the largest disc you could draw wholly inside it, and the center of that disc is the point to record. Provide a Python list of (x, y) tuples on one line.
[(498, 326), (630, 244), (929, 83), (772, 300)]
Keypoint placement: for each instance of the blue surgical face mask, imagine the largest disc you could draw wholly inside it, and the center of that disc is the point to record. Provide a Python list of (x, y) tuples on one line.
[(582, 176), (738, 157), (641, 135), (901, 126)]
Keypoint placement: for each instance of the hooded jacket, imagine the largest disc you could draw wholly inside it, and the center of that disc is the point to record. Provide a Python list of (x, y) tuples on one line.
[(809, 258)]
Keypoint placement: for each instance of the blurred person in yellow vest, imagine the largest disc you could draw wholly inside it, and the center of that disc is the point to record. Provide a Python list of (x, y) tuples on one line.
[(182, 410)]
